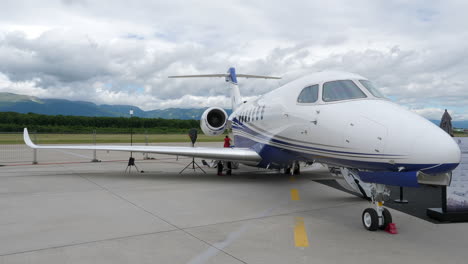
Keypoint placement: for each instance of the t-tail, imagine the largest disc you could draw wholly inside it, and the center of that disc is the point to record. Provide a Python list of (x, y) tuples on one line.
[(230, 77)]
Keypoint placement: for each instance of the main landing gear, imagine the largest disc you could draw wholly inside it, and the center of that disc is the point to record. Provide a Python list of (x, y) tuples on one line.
[(377, 217), (294, 169)]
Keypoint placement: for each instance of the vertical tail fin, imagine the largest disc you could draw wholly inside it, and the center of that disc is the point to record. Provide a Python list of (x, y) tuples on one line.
[(236, 98)]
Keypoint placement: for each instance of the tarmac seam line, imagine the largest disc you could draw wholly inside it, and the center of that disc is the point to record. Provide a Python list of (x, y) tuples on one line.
[(88, 242), (162, 219), (273, 215)]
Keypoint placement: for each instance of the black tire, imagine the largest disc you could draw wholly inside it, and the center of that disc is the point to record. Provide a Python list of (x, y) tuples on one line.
[(387, 219), (297, 169), (370, 219), (220, 168), (287, 170)]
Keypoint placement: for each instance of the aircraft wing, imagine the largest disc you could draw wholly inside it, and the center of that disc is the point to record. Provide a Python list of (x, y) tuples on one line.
[(230, 154)]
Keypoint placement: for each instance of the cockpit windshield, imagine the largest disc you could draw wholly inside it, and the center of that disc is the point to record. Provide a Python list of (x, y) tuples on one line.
[(371, 88), (341, 90)]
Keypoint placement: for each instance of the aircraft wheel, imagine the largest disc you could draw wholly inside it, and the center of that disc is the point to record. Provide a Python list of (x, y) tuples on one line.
[(387, 219), (297, 169), (370, 219), (287, 170)]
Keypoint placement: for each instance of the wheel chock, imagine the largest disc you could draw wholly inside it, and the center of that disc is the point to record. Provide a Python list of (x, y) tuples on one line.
[(391, 229)]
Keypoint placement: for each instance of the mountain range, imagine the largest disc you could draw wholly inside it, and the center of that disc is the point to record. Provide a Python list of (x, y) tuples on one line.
[(10, 102)]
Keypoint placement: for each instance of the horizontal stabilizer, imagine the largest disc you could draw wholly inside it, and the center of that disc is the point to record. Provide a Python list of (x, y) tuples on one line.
[(257, 76), (200, 75), (225, 75)]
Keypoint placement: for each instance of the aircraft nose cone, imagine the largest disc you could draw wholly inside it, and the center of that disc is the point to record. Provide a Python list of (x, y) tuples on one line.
[(438, 148)]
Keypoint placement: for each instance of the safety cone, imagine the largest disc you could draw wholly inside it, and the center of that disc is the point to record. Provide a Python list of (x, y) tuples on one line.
[(391, 228)]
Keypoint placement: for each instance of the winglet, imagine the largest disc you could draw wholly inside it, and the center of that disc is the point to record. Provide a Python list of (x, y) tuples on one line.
[(27, 140)]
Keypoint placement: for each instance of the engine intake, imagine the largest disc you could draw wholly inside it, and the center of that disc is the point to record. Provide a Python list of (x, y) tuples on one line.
[(213, 121)]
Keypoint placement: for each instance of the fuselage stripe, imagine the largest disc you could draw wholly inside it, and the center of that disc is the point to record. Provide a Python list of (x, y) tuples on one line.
[(305, 151), (252, 133)]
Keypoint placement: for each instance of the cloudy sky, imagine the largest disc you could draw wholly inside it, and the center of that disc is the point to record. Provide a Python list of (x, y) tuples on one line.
[(121, 52)]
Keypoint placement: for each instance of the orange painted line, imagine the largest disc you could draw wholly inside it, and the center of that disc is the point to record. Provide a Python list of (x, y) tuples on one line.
[(295, 195), (300, 234)]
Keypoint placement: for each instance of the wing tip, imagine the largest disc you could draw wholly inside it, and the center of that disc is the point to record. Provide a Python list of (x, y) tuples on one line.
[(27, 139)]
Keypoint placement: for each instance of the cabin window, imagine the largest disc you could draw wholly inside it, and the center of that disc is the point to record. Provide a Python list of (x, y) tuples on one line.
[(308, 95), (341, 90), (263, 111), (371, 88), (257, 113)]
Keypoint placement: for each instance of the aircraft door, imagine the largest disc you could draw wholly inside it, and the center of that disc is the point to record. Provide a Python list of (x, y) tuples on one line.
[(318, 127), (311, 126), (314, 126)]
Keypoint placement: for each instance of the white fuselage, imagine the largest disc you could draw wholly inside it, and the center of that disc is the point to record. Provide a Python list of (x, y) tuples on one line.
[(366, 133)]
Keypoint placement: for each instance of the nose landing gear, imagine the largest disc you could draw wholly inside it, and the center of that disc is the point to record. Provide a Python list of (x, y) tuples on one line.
[(377, 217)]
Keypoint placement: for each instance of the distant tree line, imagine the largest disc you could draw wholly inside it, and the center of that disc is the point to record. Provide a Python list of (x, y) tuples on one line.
[(15, 122)]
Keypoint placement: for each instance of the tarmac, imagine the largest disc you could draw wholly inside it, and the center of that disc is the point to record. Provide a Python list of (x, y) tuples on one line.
[(69, 210)]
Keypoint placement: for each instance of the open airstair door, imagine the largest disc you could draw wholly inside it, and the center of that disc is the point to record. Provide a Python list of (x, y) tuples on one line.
[(351, 181)]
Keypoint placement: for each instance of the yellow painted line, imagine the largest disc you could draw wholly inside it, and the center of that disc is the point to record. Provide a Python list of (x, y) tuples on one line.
[(300, 234), (292, 178), (295, 195)]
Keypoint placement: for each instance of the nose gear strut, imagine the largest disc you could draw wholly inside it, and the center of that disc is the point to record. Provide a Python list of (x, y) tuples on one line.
[(377, 217)]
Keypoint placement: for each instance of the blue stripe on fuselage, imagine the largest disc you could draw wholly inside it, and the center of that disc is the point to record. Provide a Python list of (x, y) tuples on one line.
[(248, 130), (277, 157)]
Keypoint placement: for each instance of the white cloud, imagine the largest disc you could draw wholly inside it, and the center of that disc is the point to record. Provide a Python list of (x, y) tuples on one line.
[(431, 113), (122, 52), (23, 87)]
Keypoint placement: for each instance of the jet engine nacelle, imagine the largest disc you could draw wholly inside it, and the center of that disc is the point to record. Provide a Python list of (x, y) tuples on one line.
[(213, 121)]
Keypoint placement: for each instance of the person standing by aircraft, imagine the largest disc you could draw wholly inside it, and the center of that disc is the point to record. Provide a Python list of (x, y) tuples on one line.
[(227, 142)]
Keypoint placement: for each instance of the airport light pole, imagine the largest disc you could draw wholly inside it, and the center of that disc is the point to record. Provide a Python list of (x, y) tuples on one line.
[(94, 142), (131, 131)]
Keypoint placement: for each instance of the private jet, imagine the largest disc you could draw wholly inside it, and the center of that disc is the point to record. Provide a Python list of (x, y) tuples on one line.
[(337, 119)]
